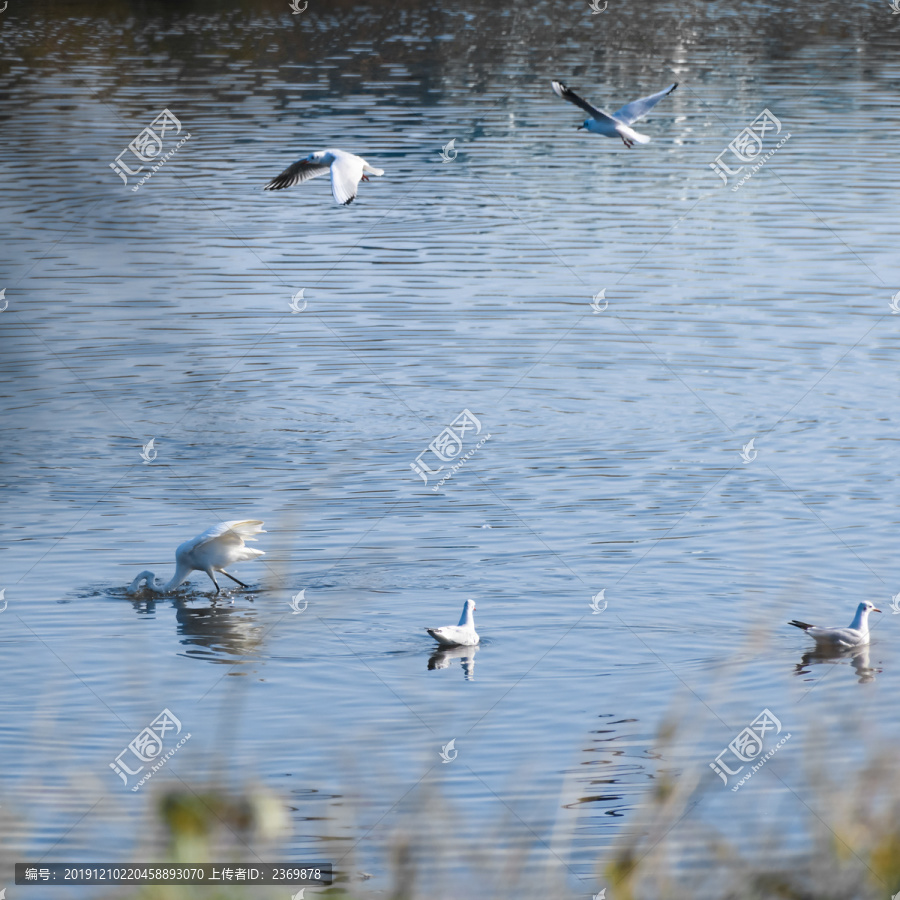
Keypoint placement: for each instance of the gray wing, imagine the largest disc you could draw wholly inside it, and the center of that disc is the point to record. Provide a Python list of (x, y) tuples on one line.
[(299, 172), (637, 109), (849, 637), (562, 91)]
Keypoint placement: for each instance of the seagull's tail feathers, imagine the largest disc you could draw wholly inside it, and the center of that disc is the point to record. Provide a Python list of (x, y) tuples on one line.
[(802, 625), (632, 135)]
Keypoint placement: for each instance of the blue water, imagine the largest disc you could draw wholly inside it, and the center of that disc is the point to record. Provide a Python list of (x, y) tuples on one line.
[(614, 454)]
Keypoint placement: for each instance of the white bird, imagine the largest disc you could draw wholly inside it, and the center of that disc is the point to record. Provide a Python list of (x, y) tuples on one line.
[(209, 552), (855, 635), (346, 172), (462, 635), (618, 123)]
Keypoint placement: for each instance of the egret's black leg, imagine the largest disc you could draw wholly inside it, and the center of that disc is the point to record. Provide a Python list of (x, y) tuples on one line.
[(241, 583)]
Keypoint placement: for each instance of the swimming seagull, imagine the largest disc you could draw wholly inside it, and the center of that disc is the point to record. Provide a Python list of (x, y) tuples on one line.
[(209, 552), (462, 635), (618, 124), (855, 635), (346, 172)]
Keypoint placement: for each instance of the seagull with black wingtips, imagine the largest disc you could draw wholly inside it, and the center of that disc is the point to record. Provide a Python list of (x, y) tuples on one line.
[(617, 124)]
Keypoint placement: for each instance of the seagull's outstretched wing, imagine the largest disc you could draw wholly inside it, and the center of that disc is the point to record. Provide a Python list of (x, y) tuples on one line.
[(562, 91), (299, 172), (346, 170), (637, 109)]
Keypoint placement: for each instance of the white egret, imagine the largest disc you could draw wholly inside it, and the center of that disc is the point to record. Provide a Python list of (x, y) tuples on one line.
[(210, 552)]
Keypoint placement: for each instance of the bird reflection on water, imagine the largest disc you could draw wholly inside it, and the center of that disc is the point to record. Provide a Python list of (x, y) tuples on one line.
[(858, 657), (217, 632), (443, 659)]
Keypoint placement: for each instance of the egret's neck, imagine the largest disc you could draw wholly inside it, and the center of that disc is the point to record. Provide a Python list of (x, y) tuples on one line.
[(153, 583), (157, 586)]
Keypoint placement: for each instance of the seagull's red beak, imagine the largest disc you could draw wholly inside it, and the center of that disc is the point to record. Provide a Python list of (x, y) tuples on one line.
[(875, 609)]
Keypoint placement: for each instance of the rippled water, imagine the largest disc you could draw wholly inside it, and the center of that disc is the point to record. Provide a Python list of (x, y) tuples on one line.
[(613, 461)]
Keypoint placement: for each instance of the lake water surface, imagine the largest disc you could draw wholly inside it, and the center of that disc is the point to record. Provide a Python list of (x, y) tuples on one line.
[(614, 458)]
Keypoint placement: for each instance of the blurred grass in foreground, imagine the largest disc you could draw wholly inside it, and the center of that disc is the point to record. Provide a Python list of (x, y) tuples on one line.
[(852, 838)]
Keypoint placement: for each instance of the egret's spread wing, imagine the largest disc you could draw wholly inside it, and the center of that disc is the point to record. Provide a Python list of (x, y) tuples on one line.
[(346, 170), (234, 532), (637, 109), (297, 173), (247, 529), (562, 91)]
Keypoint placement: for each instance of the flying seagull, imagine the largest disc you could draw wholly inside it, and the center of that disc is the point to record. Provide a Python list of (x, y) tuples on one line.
[(462, 635), (619, 123), (346, 172), (855, 635)]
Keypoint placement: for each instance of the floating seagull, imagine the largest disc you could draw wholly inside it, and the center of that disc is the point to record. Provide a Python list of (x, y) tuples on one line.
[(618, 124), (856, 634), (209, 552), (462, 635), (346, 172)]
